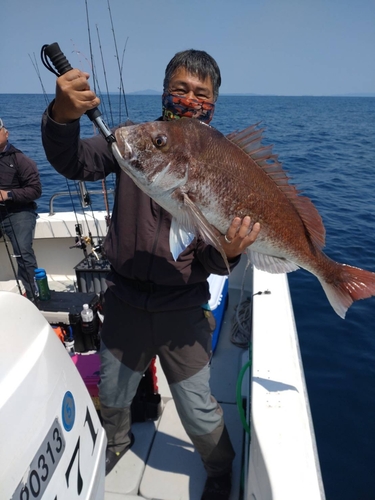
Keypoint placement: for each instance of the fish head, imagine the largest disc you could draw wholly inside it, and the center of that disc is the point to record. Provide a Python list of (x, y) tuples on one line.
[(156, 155)]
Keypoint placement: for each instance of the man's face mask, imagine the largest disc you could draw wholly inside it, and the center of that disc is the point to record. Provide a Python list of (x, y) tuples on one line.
[(176, 106)]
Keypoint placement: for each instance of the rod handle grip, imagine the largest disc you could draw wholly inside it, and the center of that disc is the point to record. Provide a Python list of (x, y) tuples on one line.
[(58, 58), (62, 66)]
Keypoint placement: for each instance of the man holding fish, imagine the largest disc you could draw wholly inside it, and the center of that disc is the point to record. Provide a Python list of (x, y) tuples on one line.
[(157, 292)]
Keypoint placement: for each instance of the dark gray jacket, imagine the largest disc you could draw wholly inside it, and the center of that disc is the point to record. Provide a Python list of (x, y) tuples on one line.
[(144, 273), (19, 174)]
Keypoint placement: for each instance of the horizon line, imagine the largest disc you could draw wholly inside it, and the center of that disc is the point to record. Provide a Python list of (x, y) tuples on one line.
[(150, 92)]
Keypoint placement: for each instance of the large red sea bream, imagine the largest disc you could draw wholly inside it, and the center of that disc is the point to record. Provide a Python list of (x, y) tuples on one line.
[(205, 179)]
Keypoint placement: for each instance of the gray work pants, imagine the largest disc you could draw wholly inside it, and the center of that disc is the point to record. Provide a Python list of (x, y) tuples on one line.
[(131, 337), (20, 227)]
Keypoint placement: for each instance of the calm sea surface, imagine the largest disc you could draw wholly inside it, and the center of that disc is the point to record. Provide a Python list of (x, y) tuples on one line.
[(328, 146)]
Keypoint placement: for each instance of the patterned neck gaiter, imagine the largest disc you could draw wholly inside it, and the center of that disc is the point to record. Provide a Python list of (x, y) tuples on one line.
[(176, 106)]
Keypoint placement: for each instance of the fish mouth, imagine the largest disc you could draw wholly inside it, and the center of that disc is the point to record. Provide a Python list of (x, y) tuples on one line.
[(123, 150), (127, 160), (128, 151), (124, 157)]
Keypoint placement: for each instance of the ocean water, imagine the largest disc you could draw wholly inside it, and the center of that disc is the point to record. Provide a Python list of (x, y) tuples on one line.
[(327, 144)]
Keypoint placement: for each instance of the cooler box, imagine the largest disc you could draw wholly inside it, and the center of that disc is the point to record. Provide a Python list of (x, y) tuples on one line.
[(218, 302)]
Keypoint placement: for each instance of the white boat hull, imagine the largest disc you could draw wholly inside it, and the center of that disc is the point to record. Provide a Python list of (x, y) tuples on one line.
[(280, 461), (52, 442)]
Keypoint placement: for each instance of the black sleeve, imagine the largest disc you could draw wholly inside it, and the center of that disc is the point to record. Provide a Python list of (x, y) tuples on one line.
[(30, 187), (78, 159), (212, 260)]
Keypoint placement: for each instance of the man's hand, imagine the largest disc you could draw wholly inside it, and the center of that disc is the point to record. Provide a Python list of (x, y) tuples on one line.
[(239, 236), (3, 195), (73, 97)]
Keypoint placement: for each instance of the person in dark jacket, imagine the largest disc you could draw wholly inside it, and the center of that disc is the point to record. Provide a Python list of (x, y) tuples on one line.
[(154, 305), (19, 186)]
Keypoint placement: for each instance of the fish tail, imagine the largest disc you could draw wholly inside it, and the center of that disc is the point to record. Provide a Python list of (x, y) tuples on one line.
[(349, 284)]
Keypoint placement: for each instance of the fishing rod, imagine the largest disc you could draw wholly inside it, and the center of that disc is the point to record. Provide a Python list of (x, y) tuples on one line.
[(104, 186), (62, 65), (122, 65), (118, 62), (105, 75), (80, 240), (84, 194), (35, 64), (10, 260), (90, 45)]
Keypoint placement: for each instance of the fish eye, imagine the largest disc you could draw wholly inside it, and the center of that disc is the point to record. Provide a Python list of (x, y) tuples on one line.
[(160, 141)]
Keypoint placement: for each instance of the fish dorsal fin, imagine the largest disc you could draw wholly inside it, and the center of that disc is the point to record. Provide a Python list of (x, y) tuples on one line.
[(128, 123), (250, 141)]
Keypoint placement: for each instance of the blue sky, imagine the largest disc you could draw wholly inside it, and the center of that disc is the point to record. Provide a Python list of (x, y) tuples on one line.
[(282, 47)]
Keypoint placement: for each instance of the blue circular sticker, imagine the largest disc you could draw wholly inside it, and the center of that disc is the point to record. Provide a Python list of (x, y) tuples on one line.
[(68, 411)]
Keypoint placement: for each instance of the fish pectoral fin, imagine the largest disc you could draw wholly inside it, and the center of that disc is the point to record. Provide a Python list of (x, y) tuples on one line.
[(270, 264), (200, 225), (179, 238)]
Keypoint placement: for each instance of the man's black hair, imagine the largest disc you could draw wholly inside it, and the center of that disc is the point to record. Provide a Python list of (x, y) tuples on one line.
[(196, 62)]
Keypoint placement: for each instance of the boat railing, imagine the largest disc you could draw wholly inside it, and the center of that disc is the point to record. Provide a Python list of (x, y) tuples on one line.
[(70, 193), (283, 461)]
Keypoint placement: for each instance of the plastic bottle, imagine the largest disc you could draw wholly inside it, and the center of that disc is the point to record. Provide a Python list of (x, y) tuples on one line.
[(36, 289), (42, 283), (89, 328), (87, 314), (69, 343)]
